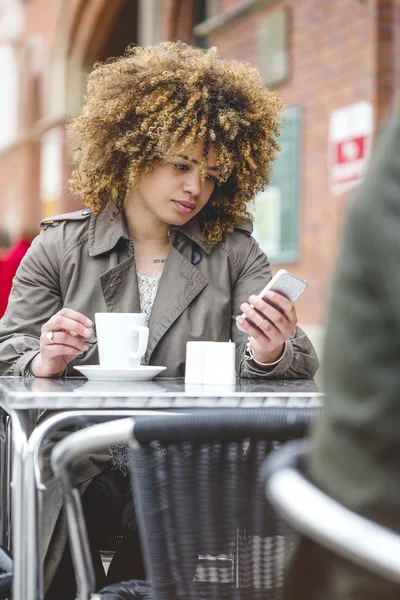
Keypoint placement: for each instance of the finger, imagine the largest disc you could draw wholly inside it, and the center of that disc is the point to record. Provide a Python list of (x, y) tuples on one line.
[(256, 316), (52, 351), (284, 321), (256, 333), (60, 322), (75, 316), (281, 302), (267, 330), (248, 310), (64, 338)]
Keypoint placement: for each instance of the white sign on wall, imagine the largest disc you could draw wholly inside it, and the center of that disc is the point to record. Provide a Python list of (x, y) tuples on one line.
[(350, 136)]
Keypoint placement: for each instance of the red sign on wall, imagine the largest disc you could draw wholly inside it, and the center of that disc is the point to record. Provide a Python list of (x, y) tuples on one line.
[(350, 131)]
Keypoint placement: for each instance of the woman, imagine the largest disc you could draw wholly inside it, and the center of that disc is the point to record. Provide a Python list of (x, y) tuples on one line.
[(172, 144)]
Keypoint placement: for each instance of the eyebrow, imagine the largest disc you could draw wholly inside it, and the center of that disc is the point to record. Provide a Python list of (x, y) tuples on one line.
[(196, 162)]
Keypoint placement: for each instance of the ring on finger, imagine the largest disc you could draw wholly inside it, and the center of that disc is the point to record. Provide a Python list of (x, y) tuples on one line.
[(261, 322), (49, 337)]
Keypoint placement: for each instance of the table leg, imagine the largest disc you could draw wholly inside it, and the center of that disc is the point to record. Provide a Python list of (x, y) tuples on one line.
[(5, 480), (9, 479), (20, 433)]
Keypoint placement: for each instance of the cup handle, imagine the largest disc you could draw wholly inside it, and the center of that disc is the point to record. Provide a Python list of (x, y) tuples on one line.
[(143, 333)]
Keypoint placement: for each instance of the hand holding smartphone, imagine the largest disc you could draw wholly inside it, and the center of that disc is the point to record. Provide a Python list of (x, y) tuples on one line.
[(283, 283)]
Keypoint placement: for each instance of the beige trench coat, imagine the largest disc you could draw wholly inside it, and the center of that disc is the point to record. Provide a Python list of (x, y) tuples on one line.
[(87, 263)]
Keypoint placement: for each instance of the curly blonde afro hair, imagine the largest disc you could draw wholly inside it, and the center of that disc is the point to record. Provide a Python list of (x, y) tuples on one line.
[(158, 99)]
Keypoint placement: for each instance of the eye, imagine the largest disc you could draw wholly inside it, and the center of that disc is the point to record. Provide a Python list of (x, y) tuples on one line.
[(213, 179), (180, 166)]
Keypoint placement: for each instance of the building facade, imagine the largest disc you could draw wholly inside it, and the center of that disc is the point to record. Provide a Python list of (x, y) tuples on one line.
[(336, 65)]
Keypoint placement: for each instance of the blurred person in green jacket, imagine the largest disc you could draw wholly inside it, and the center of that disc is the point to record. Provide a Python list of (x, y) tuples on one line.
[(356, 452)]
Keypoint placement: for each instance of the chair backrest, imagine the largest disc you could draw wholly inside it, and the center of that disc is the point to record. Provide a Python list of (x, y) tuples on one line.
[(322, 519), (205, 527)]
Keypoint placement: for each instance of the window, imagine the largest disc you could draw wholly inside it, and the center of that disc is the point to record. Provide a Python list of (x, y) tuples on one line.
[(9, 95), (273, 47), (200, 15), (213, 8), (276, 210)]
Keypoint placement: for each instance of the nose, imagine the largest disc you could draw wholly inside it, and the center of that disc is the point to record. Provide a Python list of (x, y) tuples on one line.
[(192, 183)]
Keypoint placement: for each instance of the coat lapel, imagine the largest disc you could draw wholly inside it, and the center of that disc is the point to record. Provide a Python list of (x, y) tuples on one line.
[(120, 287), (180, 283)]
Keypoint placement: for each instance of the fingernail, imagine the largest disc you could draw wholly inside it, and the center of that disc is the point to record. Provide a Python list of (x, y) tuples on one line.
[(88, 323), (85, 347), (87, 333)]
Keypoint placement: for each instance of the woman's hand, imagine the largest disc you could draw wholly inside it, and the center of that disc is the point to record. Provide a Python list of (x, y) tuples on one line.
[(272, 328), (63, 338)]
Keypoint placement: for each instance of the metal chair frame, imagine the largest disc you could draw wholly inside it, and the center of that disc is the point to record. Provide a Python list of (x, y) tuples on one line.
[(5, 489), (314, 514), (80, 443)]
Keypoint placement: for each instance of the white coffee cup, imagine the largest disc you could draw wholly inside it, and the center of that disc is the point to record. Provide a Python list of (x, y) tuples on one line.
[(122, 339), (210, 362)]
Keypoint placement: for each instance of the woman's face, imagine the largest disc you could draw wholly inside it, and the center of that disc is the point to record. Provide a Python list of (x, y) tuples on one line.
[(172, 192)]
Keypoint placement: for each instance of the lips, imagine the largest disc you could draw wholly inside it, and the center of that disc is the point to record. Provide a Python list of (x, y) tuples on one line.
[(184, 206)]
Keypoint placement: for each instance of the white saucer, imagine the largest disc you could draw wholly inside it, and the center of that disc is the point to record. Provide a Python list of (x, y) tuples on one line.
[(142, 373)]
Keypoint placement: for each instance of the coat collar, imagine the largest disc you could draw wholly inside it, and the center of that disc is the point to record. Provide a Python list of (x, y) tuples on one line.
[(104, 234), (192, 230)]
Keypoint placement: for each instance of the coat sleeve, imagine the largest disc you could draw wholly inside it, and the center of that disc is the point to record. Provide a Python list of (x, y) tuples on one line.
[(300, 360), (34, 298)]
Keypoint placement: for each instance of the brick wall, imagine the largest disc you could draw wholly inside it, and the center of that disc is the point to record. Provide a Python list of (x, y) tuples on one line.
[(340, 52), (331, 58), (387, 36)]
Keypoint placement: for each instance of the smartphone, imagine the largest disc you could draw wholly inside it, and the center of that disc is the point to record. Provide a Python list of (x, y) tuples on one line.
[(284, 283)]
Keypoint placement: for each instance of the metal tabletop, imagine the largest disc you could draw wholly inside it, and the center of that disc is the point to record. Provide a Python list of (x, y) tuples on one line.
[(17, 393)]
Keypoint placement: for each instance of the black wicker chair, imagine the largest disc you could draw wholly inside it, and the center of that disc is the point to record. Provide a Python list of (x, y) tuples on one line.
[(205, 528)]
